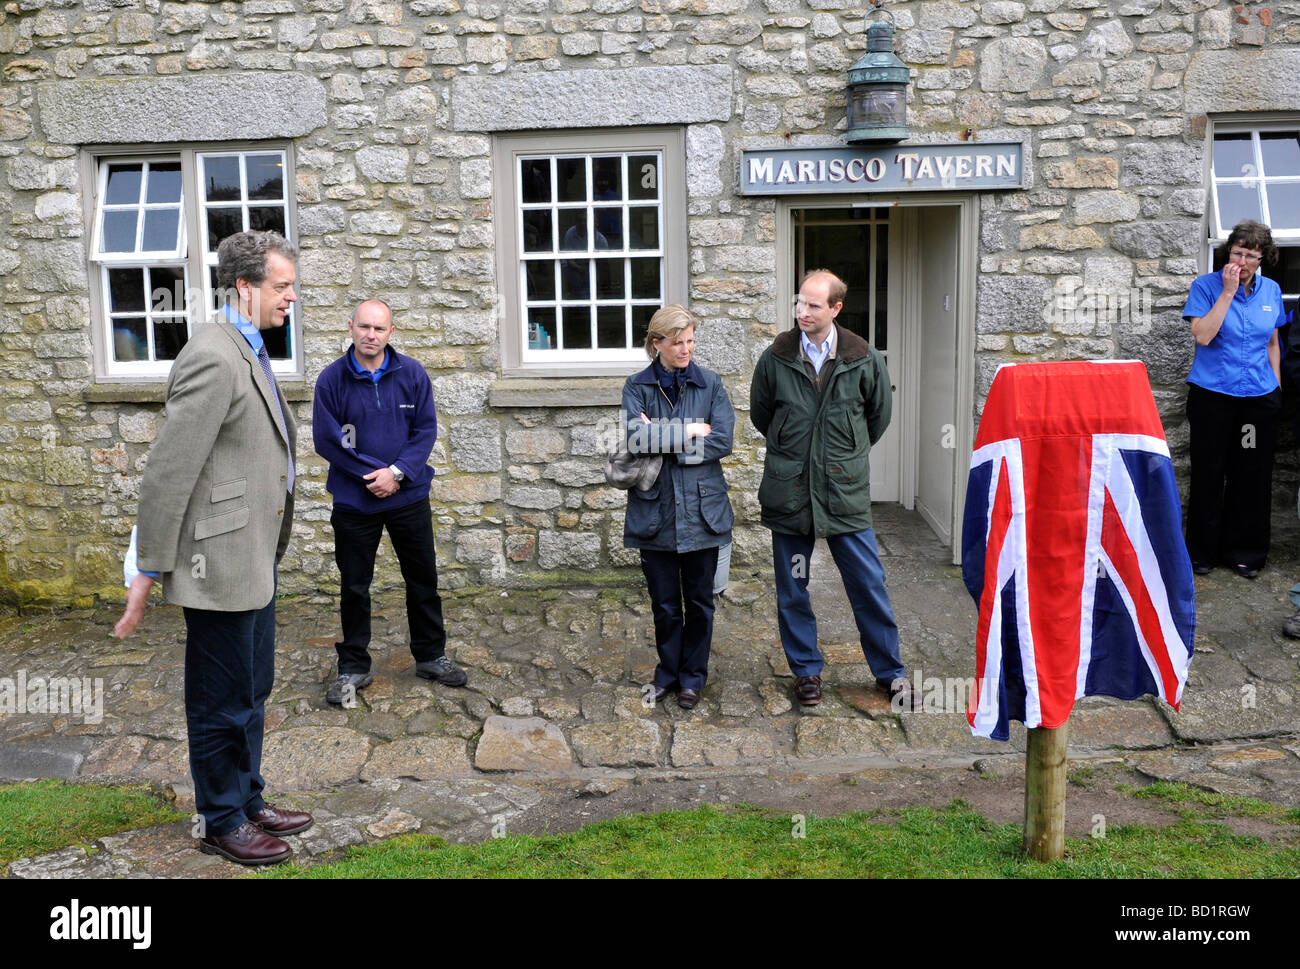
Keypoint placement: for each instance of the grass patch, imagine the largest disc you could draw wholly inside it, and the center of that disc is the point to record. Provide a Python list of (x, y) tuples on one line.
[(1193, 803), (48, 815), (736, 841)]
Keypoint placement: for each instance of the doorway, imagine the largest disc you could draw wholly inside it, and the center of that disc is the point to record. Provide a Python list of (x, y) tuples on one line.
[(910, 265)]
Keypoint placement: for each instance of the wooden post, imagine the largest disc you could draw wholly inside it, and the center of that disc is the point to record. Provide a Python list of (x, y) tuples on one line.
[(1045, 793)]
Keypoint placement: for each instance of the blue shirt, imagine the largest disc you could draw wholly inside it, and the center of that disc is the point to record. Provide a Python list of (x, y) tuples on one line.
[(245, 326), (817, 354), (356, 366), (1235, 362)]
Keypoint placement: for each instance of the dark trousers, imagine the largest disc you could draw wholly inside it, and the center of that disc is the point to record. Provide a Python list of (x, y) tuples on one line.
[(356, 539), (229, 669), (683, 640), (1230, 501)]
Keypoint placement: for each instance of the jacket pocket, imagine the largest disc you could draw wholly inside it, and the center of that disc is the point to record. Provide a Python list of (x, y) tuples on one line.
[(784, 487), (848, 485), (229, 489), (220, 524), (715, 507), (643, 514)]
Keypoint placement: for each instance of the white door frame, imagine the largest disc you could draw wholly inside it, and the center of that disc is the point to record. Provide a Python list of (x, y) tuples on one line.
[(903, 310)]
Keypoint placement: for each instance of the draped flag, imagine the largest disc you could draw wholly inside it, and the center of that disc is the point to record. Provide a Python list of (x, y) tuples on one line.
[(1072, 546)]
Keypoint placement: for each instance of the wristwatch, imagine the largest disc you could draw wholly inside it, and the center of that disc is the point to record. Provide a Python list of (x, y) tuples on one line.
[(397, 473)]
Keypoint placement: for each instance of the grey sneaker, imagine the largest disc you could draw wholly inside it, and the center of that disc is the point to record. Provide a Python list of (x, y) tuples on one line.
[(1292, 627), (443, 670), (348, 685)]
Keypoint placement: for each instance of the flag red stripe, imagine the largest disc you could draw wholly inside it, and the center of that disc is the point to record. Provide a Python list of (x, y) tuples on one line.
[(1115, 540), (999, 524)]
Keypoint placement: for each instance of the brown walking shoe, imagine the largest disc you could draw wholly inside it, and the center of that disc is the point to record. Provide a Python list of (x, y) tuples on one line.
[(247, 845), (808, 690)]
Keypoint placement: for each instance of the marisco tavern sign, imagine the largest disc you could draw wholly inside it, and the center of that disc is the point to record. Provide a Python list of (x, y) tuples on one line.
[(895, 168)]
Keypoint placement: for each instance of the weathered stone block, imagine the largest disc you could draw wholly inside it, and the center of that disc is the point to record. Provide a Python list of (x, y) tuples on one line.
[(624, 743), (1011, 303), (1012, 64), (699, 744), (1161, 163), (1059, 237), (1105, 207), (383, 164), (540, 498), (1083, 173), (568, 550), (466, 489), (843, 736), (479, 546), (527, 744), (1149, 240), (476, 445)]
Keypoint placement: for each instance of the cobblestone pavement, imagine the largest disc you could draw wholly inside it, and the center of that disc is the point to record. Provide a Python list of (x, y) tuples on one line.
[(554, 707)]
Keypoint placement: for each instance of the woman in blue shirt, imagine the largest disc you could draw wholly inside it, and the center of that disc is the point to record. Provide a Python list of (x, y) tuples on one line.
[(1233, 399)]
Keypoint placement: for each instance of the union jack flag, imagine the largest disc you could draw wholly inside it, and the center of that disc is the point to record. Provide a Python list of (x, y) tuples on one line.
[(1072, 546)]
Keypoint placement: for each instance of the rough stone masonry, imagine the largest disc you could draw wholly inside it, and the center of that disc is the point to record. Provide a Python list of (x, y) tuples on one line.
[(390, 107)]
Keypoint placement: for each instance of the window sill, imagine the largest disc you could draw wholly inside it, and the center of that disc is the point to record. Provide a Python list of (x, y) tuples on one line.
[(155, 393), (557, 392)]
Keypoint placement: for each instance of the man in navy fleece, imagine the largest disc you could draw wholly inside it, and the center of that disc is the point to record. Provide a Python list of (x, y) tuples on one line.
[(375, 423)]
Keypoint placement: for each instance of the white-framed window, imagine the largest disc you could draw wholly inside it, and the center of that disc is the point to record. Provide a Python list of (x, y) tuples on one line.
[(591, 242), (158, 218), (1255, 174)]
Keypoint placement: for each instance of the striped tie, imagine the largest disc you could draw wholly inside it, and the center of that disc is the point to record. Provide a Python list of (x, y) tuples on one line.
[(265, 360)]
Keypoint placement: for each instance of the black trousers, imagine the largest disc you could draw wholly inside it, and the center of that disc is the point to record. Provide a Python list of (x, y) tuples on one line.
[(229, 670), (356, 539), (682, 638), (1230, 502)]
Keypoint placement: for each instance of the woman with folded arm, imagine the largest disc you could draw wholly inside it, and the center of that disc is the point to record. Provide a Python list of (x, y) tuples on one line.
[(681, 411)]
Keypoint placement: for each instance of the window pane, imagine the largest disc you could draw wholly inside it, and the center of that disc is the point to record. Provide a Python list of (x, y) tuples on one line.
[(223, 223), (537, 231), (263, 217), (168, 337), (167, 290), (1234, 157), (220, 178), (126, 290), (609, 228), (609, 279), (643, 227), (123, 185), (611, 327), (607, 178), (540, 276), (1281, 151), (277, 339), (164, 182), (265, 176), (577, 328), (575, 282), (541, 328), (645, 279), (1284, 205), (571, 178), (573, 230), (643, 176), (1237, 202), (641, 323), (119, 231), (161, 227), (129, 339), (535, 179), (1287, 271)]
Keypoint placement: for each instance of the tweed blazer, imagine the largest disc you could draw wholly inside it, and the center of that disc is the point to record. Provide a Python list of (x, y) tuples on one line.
[(215, 513)]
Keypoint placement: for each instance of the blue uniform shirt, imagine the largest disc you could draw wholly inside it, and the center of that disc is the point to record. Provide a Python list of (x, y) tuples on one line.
[(1236, 361), (360, 370)]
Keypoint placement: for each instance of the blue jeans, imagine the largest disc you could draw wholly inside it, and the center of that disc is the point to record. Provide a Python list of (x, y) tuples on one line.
[(857, 559)]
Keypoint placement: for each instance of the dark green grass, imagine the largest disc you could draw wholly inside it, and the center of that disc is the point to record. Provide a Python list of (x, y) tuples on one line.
[(48, 815), (746, 842)]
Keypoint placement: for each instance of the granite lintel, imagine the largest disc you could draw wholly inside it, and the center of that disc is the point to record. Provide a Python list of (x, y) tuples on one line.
[(124, 392), (592, 98), (154, 110)]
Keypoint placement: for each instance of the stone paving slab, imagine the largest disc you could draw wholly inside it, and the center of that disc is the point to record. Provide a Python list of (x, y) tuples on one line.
[(555, 689)]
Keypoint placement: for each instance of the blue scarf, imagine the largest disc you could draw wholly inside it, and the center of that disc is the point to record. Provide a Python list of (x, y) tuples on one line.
[(670, 380)]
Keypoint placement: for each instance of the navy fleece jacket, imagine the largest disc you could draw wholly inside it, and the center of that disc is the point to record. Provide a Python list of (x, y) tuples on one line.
[(360, 425)]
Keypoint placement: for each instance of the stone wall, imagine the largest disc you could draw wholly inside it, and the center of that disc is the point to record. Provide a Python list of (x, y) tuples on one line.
[(394, 199)]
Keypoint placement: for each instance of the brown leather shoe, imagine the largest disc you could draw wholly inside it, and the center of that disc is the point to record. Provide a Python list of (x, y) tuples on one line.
[(661, 693), (687, 699), (279, 823), (247, 845), (808, 690), (902, 697)]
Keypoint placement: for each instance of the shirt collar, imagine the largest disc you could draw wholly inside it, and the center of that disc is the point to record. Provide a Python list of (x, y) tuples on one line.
[(244, 326), (810, 347), (356, 364)]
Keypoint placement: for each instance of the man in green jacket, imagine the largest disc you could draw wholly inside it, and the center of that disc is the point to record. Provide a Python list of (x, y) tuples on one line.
[(821, 397)]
